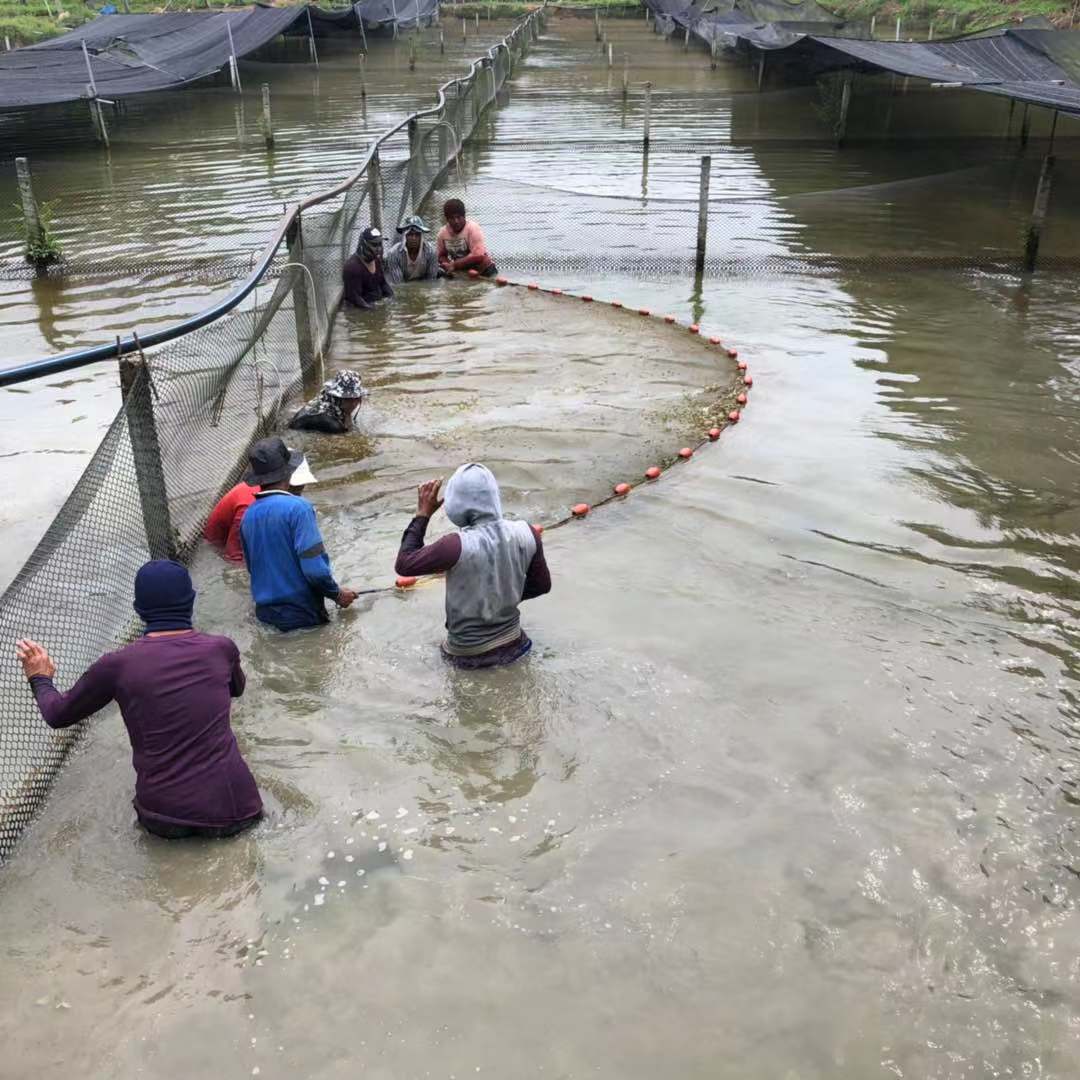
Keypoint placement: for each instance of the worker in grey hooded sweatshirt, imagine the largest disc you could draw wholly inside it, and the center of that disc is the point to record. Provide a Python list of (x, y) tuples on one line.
[(491, 566)]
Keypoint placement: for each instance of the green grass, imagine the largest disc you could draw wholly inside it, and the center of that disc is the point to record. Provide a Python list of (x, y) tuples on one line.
[(966, 15)]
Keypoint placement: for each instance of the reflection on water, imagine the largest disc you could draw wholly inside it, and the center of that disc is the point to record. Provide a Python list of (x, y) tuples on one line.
[(786, 787)]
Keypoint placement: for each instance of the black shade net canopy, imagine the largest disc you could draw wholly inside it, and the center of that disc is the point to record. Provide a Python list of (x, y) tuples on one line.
[(1036, 65), (139, 54)]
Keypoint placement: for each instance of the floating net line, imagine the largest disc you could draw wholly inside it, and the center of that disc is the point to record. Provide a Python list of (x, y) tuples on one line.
[(192, 408)]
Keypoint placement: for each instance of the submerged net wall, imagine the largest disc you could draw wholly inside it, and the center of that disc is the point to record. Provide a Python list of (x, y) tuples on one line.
[(191, 409)]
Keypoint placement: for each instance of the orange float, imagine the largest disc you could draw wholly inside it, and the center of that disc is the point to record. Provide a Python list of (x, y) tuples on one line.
[(742, 399), (474, 273), (733, 416), (714, 341), (616, 303), (714, 433), (643, 311), (556, 292), (652, 473), (694, 328), (669, 318), (587, 299), (622, 489), (686, 453), (741, 365), (502, 281), (405, 582), (580, 510), (533, 285), (748, 380)]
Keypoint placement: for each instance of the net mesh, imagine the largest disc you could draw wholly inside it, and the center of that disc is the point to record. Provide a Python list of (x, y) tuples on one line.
[(191, 409)]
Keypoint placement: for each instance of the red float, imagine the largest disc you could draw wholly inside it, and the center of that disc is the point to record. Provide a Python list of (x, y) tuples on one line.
[(652, 473), (502, 281), (474, 273), (405, 582), (669, 318), (733, 353), (686, 453), (587, 299), (556, 292), (694, 328), (580, 510), (533, 285), (616, 303), (748, 380), (644, 311), (733, 416), (714, 341), (714, 433), (741, 365), (622, 489), (742, 399)]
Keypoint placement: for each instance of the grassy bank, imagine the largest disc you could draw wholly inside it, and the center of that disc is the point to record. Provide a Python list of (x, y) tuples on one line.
[(966, 15)]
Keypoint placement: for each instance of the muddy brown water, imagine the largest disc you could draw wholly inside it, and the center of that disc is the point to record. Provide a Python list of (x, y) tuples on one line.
[(786, 788)]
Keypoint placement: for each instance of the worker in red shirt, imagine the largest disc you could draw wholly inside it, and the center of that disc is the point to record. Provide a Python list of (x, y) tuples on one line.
[(223, 526)]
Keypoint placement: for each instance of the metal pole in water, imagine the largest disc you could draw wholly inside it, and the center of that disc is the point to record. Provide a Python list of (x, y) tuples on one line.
[(35, 234), (1038, 213), (648, 114), (363, 32), (311, 39), (845, 102), (268, 127), (97, 117), (7, 43), (137, 395), (477, 14), (234, 70), (702, 214), (89, 69)]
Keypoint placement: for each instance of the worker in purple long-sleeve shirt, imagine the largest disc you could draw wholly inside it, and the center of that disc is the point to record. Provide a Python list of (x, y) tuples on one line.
[(492, 564), (174, 686)]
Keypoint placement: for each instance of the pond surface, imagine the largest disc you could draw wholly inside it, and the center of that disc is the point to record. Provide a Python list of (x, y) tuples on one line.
[(787, 786)]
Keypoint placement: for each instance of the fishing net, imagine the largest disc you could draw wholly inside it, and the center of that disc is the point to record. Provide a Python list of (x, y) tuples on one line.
[(191, 409)]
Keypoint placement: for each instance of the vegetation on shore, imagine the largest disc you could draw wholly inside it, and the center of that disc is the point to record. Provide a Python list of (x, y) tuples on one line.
[(25, 22)]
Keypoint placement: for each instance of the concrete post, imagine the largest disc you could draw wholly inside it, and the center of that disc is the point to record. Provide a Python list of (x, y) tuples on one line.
[(310, 355), (138, 398), (35, 234), (268, 127), (1038, 213), (845, 102), (648, 115), (702, 214)]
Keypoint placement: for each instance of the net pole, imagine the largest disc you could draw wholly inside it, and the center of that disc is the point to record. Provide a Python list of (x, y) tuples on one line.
[(1038, 214), (703, 214), (137, 396), (35, 234), (648, 116), (268, 126), (310, 357)]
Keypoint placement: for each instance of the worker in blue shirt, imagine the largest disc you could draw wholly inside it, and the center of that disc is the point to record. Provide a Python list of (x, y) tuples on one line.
[(290, 571)]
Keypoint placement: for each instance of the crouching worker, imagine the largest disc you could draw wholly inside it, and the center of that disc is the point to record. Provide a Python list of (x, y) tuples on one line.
[(289, 568), (491, 566), (363, 276), (412, 258), (173, 686), (334, 410), (460, 243)]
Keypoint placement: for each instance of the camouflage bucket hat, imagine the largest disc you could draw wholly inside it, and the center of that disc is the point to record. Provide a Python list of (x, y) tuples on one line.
[(415, 223), (345, 384)]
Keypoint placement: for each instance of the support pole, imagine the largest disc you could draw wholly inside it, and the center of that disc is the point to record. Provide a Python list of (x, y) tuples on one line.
[(626, 77), (1038, 213), (1008, 124), (412, 53), (897, 27), (375, 192), (596, 17), (648, 115), (97, 115), (363, 32), (610, 55), (845, 102), (686, 41), (35, 234), (1025, 127), (930, 33), (712, 53), (310, 356), (761, 70), (477, 14), (442, 42), (311, 39), (268, 127), (363, 77), (138, 398), (464, 30), (702, 214), (234, 68), (873, 24)]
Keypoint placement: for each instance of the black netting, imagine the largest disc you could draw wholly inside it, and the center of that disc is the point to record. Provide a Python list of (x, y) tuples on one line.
[(191, 409)]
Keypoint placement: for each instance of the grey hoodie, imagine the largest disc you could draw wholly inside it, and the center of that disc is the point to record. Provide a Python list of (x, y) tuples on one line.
[(484, 588)]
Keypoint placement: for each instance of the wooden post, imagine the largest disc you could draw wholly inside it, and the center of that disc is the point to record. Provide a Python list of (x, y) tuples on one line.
[(930, 34), (35, 234), (1025, 127), (873, 24), (845, 102), (712, 53), (477, 14), (761, 70), (268, 127), (138, 398), (442, 42), (375, 192), (626, 76), (610, 55), (412, 53), (363, 77), (686, 41), (464, 30), (310, 356), (897, 27), (648, 115), (702, 214), (1038, 213), (596, 16)]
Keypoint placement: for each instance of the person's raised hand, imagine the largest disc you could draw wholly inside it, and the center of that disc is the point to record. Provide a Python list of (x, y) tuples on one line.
[(34, 659), (427, 498), (344, 598)]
